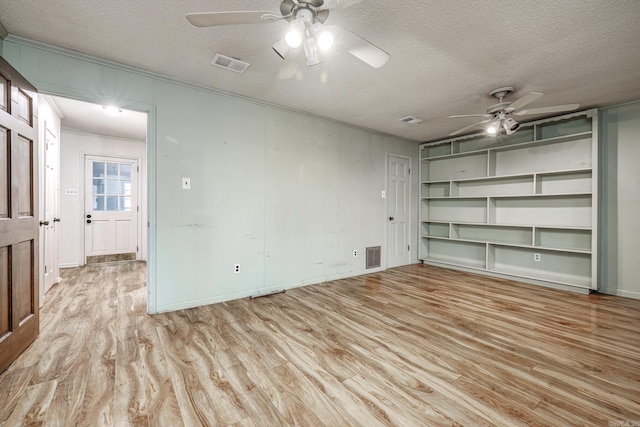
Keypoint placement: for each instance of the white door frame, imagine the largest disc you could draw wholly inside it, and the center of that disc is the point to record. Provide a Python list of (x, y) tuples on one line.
[(82, 191), (386, 207)]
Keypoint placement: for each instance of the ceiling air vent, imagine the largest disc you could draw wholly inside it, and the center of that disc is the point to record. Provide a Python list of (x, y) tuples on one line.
[(410, 120), (231, 64)]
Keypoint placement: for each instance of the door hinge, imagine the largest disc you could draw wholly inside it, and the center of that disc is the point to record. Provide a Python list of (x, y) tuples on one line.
[(408, 247), (137, 168), (409, 171), (138, 208), (137, 248)]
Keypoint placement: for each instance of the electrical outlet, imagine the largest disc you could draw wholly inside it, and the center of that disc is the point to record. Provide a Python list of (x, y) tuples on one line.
[(355, 253), (536, 257), (384, 194), (236, 268)]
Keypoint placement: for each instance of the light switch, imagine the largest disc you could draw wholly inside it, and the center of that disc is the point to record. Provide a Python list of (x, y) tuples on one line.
[(384, 194), (186, 183)]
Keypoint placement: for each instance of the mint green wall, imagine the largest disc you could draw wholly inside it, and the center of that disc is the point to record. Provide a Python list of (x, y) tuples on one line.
[(620, 209), (286, 195)]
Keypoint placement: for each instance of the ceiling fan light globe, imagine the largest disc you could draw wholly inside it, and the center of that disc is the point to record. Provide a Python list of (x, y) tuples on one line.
[(510, 125), (293, 39), (295, 33), (492, 129), (325, 40)]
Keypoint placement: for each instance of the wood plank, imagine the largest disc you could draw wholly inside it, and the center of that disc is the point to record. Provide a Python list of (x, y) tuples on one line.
[(415, 345)]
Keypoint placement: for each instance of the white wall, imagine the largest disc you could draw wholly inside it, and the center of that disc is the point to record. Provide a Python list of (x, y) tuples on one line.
[(73, 147), (620, 215), (286, 195)]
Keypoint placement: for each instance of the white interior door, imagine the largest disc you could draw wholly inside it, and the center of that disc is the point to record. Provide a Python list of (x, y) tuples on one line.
[(111, 206), (398, 206), (51, 208)]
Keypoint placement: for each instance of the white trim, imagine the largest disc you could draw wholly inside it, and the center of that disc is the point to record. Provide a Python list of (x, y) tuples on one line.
[(619, 292), (69, 265)]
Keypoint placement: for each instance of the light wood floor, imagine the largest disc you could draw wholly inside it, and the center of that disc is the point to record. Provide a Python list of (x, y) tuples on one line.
[(413, 346)]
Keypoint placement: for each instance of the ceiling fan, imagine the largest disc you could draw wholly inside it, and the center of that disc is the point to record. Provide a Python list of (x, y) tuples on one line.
[(498, 116), (306, 33)]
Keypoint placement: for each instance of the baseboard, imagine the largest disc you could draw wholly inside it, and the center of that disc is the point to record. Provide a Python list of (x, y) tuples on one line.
[(620, 293), (69, 265), (260, 291)]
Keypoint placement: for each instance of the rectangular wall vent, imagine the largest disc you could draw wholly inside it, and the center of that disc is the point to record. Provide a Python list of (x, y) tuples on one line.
[(373, 257), (228, 63), (410, 120)]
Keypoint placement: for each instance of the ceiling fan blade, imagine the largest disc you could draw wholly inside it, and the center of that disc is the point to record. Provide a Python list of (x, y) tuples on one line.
[(466, 128), (289, 67), (362, 49), (528, 98), (486, 116), (212, 19), (338, 4), (551, 109)]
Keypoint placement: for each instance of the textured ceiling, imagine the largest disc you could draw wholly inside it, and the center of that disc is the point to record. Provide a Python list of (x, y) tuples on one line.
[(445, 55)]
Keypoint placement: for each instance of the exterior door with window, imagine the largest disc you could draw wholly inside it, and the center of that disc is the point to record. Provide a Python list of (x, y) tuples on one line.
[(111, 208)]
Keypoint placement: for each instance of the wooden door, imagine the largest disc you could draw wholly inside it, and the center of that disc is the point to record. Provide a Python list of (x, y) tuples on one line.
[(19, 226), (111, 207), (398, 205)]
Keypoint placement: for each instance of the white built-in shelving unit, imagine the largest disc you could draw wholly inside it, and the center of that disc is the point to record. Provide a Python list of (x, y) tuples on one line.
[(523, 205)]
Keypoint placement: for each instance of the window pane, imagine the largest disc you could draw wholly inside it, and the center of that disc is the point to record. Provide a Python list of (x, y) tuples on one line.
[(112, 187), (125, 188), (112, 203), (112, 170), (125, 204), (98, 186), (98, 169), (125, 171), (98, 203)]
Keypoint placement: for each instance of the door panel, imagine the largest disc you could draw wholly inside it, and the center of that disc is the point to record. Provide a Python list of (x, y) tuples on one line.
[(23, 164), (5, 189), (398, 206), (19, 227)]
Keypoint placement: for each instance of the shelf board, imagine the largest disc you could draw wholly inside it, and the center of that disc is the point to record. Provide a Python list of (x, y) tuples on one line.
[(507, 196), (507, 176), (456, 261), (512, 245), (544, 141), (552, 227), (563, 279)]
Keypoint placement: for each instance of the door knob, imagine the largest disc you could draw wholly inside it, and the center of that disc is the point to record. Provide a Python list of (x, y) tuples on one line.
[(390, 218), (56, 219), (88, 221), (44, 222)]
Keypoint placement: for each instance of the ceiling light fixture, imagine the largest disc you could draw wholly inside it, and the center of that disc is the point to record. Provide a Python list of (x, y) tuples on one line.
[(112, 110), (295, 33), (493, 128), (323, 35), (510, 125)]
